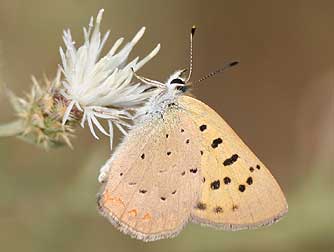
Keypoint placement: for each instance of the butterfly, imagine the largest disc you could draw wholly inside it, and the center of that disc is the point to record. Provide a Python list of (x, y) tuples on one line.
[(182, 162)]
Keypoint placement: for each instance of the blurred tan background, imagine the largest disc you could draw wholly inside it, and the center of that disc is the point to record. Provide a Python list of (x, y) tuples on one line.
[(280, 100)]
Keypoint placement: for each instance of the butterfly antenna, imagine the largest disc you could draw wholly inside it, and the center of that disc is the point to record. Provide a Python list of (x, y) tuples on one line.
[(231, 64), (148, 81), (192, 33)]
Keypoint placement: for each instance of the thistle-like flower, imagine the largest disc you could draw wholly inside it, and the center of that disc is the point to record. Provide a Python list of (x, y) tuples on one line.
[(40, 114), (87, 88), (101, 88)]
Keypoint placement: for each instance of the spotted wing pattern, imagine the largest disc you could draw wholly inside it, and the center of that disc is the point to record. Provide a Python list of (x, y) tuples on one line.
[(237, 190), (154, 178)]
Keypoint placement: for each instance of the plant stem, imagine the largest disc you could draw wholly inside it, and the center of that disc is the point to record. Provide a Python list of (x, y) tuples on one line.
[(11, 129)]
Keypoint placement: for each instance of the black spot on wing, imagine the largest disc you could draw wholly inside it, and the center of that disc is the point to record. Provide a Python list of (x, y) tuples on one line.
[(202, 127), (215, 185), (218, 209), (227, 180), (194, 170), (201, 206), (249, 181), (235, 207), (231, 160), (242, 188), (216, 142)]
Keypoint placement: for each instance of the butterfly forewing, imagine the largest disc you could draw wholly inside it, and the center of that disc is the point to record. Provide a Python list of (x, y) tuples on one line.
[(237, 190), (154, 178)]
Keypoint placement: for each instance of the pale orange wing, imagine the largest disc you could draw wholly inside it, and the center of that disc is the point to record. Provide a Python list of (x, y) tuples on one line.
[(238, 191), (154, 179)]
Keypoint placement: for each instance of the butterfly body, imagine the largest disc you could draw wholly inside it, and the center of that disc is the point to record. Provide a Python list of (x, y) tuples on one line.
[(181, 162)]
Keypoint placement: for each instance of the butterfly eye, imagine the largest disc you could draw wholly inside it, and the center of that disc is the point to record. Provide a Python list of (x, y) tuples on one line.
[(177, 81), (182, 88)]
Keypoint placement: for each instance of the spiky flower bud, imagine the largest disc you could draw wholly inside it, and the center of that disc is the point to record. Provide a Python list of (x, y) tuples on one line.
[(40, 115)]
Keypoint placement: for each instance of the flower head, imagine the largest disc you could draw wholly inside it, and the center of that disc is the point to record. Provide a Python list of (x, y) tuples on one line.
[(40, 114), (101, 87)]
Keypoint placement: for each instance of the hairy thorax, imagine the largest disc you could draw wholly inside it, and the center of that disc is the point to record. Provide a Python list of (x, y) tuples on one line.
[(157, 106)]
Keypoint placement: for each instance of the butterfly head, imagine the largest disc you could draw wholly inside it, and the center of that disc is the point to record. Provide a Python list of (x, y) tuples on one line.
[(164, 94), (178, 82)]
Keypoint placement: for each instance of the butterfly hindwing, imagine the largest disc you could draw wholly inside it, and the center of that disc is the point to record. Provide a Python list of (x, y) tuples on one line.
[(187, 164), (238, 191), (154, 179)]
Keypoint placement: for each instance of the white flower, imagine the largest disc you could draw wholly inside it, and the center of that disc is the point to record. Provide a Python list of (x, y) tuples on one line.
[(101, 87)]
